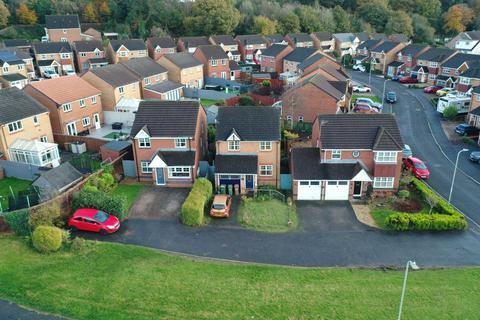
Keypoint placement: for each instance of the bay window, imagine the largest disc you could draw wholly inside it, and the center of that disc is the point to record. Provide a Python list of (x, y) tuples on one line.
[(386, 156), (383, 182)]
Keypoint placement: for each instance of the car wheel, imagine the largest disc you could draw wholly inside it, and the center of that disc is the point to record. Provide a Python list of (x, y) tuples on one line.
[(103, 232)]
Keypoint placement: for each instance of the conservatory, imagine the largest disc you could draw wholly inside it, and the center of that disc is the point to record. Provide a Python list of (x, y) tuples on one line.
[(35, 153)]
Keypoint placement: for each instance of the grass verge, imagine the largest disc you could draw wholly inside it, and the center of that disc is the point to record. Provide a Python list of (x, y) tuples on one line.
[(115, 281), (267, 215), (129, 191), (209, 102)]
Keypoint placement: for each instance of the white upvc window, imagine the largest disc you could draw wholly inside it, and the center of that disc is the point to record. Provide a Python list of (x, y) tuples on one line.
[(433, 64), (93, 99), (336, 154), (65, 55), (179, 172), (464, 80), (223, 75), (44, 139), (224, 62), (20, 67), (122, 53), (145, 166), (82, 103), (446, 71), (383, 182), (147, 81), (386, 156), (157, 77), (121, 89), (266, 170), (83, 54), (15, 126), (36, 121), (213, 63), (67, 107), (432, 76), (86, 121), (5, 69), (158, 49), (265, 145), (144, 143), (233, 145), (300, 118), (180, 142)]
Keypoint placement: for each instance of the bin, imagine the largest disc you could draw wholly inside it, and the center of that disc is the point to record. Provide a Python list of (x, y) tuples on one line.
[(237, 189), (230, 189), (222, 189)]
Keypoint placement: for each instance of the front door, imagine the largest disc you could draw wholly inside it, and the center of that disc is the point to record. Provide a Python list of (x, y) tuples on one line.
[(357, 189), (160, 176), (249, 181), (96, 119), (72, 129)]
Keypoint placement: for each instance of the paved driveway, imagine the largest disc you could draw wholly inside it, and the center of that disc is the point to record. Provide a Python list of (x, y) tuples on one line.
[(158, 203)]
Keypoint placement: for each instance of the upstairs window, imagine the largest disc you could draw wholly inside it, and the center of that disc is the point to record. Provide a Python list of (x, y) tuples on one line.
[(93, 99), (233, 145), (36, 121), (15, 126), (336, 154), (144, 142), (180, 142), (213, 63), (67, 107), (386, 156), (82, 103), (265, 145), (121, 89)]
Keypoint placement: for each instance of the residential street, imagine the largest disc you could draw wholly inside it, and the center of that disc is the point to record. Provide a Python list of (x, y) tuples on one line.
[(420, 126)]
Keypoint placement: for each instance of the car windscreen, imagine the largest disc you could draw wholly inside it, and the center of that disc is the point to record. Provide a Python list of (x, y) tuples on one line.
[(420, 166), (101, 216), (218, 206)]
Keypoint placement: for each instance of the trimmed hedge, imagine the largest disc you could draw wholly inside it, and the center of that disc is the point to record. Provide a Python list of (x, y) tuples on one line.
[(112, 204), (18, 222), (193, 209), (47, 239), (445, 217)]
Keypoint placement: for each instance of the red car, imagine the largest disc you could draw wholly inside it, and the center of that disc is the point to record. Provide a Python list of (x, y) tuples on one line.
[(432, 89), (364, 108), (94, 220), (408, 80), (417, 166)]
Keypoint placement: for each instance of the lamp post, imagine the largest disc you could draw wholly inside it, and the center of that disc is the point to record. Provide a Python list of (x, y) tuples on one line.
[(383, 95), (413, 265), (370, 72), (454, 174)]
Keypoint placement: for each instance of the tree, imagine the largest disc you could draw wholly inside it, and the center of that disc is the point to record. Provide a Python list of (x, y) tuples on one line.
[(342, 19), (41, 8), (428, 8), (212, 17), (104, 9), (457, 18), (432, 201), (423, 32), (4, 14), (289, 23), (263, 25), (400, 22), (89, 14), (25, 15), (376, 14), (309, 21)]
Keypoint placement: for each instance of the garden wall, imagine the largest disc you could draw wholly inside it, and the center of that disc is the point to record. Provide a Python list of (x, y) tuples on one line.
[(93, 144)]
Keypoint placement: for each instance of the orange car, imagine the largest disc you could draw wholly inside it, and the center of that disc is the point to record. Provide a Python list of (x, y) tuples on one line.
[(221, 206)]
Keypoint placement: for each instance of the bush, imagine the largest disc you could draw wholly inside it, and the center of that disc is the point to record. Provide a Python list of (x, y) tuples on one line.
[(468, 140), (403, 194), (193, 209), (47, 239), (18, 222), (112, 204), (78, 244), (105, 183), (450, 113), (44, 216), (246, 101)]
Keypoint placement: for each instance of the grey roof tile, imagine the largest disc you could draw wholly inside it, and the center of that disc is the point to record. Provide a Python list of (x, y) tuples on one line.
[(16, 105), (183, 59), (130, 44), (144, 67), (62, 21), (51, 47), (115, 74), (88, 46)]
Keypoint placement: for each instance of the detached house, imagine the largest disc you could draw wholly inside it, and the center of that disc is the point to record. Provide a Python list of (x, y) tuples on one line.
[(299, 40), (124, 50), (158, 46), (13, 70), (54, 56), (148, 71), (453, 67), (466, 42), (228, 44), (167, 148), (294, 58), (251, 47), (275, 39), (183, 68), (89, 54), (363, 50), (62, 28), (271, 59), (190, 44), (383, 57), (75, 105), (312, 63), (346, 43), (248, 147), (407, 57), (469, 79), (474, 111), (25, 131), (115, 82), (23, 45), (215, 61), (428, 64), (323, 41), (349, 153)]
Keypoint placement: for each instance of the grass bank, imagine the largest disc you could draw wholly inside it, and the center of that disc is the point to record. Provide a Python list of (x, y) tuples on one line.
[(129, 191), (267, 215)]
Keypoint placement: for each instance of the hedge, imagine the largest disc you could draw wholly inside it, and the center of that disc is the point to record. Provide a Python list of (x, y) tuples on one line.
[(18, 222), (112, 204), (192, 212), (47, 239), (444, 217)]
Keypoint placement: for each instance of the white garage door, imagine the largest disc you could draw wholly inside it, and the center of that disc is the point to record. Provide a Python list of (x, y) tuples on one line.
[(336, 190), (308, 190)]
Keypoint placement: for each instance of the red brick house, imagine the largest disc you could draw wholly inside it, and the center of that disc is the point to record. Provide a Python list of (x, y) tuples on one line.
[(473, 117), (451, 69), (190, 44), (297, 56), (407, 57), (429, 62), (167, 148), (228, 44), (271, 59), (363, 50), (64, 28), (215, 61), (299, 40), (469, 79), (148, 71), (89, 54), (251, 47), (158, 46), (54, 56), (350, 153), (312, 63)]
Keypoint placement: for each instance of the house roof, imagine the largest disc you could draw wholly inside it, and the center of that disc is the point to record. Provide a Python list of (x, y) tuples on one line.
[(88, 46), (369, 44), (344, 37), (62, 22), (163, 118), (115, 74), (381, 36), (12, 43), (162, 42), (183, 59), (164, 86), (274, 38), (233, 65), (300, 54), (323, 36), (473, 35), (396, 64), (399, 37), (16, 105), (14, 77), (236, 163), (385, 46), (436, 54), (115, 145), (61, 91), (300, 37), (424, 69), (31, 145), (274, 50), (412, 49), (335, 89), (250, 123), (473, 72), (57, 179), (212, 52), (251, 39), (476, 90), (177, 158), (46, 63), (130, 44), (51, 47), (144, 67), (225, 39), (98, 60), (11, 57), (311, 60), (360, 131), (362, 36), (306, 165), (460, 58), (192, 42), (475, 111)]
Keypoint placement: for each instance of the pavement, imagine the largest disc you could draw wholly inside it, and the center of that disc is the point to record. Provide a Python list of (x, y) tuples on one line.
[(11, 311)]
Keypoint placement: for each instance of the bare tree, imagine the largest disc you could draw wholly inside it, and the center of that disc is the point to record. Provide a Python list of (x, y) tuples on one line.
[(431, 201)]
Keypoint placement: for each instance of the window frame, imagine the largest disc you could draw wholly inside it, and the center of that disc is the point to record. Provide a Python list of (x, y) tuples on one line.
[(93, 99), (86, 123), (67, 107), (82, 103), (265, 170), (15, 126), (233, 145), (383, 182), (386, 157), (178, 172), (336, 154), (121, 89), (144, 143), (144, 166), (265, 145), (180, 143), (36, 121)]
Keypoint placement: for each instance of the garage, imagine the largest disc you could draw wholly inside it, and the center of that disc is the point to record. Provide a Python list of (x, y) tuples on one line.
[(336, 190), (308, 190)]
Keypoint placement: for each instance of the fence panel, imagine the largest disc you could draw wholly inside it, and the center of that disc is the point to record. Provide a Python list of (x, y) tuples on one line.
[(20, 170), (285, 182), (129, 168)]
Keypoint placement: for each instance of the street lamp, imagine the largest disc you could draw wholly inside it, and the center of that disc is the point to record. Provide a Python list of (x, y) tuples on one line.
[(370, 72), (413, 265), (384, 86), (454, 174)]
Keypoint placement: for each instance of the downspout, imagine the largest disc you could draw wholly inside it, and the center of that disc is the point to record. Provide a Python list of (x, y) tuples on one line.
[(135, 157)]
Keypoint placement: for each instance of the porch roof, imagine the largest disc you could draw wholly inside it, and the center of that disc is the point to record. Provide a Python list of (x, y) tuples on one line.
[(396, 64), (234, 164), (33, 146)]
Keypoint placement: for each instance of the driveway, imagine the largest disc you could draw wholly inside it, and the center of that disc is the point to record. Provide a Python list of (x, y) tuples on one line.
[(158, 203), (11, 311)]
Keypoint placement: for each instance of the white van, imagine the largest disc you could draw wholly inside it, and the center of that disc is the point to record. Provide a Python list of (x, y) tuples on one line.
[(461, 103)]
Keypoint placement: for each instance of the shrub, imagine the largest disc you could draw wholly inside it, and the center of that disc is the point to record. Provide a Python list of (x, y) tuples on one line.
[(403, 194), (78, 244), (18, 222), (44, 216), (47, 239), (90, 188), (450, 113), (106, 182), (469, 141), (246, 101), (192, 212), (112, 204)]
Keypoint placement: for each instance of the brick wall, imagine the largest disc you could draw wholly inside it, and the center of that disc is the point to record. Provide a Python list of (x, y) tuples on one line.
[(93, 144)]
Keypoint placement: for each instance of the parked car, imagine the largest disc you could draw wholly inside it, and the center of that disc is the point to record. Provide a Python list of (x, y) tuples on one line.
[(221, 206), (408, 80), (407, 151), (359, 67), (50, 74), (417, 166), (364, 108), (466, 129), (475, 156), (370, 102), (444, 92), (396, 78), (391, 97), (432, 89), (361, 88), (214, 87), (70, 72), (94, 220)]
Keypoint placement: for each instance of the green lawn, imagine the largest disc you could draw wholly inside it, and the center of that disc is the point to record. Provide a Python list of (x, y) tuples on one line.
[(267, 215), (130, 191), (374, 98), (16, 184), (115, 281), (209, 102)]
